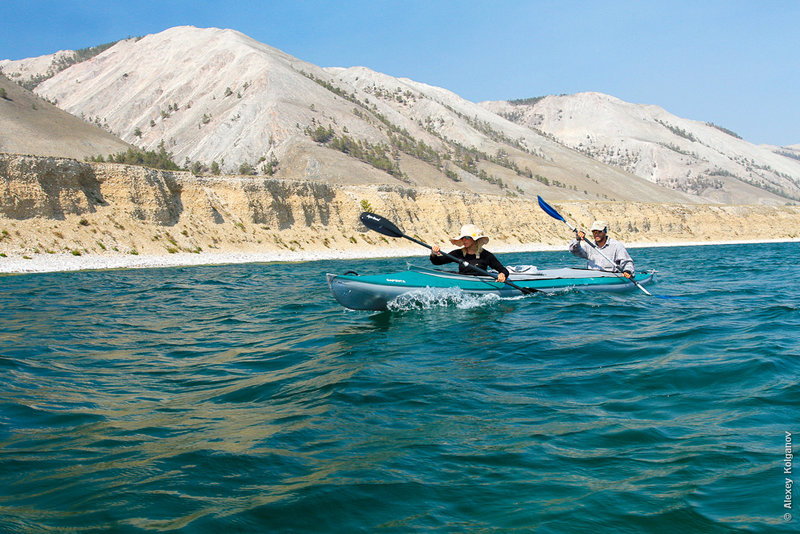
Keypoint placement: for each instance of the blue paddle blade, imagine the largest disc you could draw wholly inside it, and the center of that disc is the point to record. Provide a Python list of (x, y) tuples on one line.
[(548, 209)]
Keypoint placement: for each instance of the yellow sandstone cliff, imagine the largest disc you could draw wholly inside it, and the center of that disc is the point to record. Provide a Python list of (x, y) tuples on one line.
[(52, 205)]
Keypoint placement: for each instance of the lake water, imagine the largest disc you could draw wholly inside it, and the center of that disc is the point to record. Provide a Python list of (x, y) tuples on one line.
[(243, 398)]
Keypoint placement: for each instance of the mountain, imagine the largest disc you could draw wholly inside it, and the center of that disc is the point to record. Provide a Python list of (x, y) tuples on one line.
[(218, 97), (30, 125), (691, 156)]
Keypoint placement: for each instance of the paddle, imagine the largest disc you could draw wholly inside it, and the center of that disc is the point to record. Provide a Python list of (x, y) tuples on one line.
[(386, 227), (548, 209)]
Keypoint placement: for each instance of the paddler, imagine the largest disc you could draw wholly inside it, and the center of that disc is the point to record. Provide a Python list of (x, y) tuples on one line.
[(605, 246), (471, 242)]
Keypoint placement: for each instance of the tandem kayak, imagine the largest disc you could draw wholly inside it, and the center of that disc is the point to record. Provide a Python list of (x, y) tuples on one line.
[(378, 291)]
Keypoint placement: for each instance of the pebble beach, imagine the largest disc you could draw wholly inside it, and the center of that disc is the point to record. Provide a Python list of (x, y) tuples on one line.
[(42, 263)]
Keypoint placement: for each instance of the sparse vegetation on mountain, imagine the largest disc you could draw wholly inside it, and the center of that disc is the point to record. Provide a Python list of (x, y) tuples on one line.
[(788, 154), (269, 167), (197, 168), (136, 156), (321, 134), (526, 101), (64, 62), (677, 149), (375, 155), (724, 130), (680, 132)]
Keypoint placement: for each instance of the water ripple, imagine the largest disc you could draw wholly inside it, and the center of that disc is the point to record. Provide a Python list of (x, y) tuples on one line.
[(243, 398)]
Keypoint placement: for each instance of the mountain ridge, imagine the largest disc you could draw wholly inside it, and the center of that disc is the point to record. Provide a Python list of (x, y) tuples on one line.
[(657, 145)]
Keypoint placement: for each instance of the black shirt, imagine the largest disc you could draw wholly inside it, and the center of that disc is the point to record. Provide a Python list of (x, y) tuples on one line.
[(486, 260)]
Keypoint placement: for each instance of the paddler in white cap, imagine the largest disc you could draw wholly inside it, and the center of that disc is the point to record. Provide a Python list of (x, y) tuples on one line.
[(605, 246), (471, 240)]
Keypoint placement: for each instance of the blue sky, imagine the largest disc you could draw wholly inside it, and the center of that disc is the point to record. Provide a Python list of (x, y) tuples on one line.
[(735, 63)]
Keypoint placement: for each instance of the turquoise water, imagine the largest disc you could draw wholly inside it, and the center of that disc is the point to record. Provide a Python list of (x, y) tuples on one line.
[(243, 398)]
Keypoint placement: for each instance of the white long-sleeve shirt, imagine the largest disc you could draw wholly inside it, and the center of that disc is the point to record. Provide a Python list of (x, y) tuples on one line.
[(613, 250)]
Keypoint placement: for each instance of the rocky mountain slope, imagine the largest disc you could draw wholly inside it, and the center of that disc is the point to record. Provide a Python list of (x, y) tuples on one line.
[(687, 155), (219, 97), (30, 125)]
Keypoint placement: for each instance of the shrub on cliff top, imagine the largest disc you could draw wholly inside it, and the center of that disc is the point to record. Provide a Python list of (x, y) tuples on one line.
[(136, 156)]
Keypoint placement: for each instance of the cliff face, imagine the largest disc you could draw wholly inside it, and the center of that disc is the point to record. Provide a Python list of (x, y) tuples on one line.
[(50, 205)]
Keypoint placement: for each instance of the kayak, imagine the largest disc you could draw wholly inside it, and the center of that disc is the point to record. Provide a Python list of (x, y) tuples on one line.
[(379, 291)]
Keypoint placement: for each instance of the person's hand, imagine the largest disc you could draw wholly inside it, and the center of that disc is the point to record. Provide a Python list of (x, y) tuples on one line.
[(580, 235), (436, 250), (627, 275), (501, 277)]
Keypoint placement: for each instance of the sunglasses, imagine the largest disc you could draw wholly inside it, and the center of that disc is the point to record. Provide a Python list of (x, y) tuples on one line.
[(467, 237)]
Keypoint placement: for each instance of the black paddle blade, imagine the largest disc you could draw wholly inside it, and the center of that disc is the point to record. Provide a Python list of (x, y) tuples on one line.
[(380, 225), (548, 209)]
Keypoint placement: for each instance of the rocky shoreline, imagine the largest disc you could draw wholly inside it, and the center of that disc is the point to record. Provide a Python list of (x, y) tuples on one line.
[(45, 263)]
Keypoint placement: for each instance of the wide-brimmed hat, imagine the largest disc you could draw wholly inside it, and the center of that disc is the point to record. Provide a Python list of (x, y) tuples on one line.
[(599, 225), (470, 230)]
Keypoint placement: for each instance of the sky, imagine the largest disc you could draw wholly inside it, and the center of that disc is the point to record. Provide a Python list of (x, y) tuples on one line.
[(734, 63)]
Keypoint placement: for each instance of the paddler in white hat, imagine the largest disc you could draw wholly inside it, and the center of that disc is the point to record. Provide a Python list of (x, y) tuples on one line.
[(471, 240), (605, 246)]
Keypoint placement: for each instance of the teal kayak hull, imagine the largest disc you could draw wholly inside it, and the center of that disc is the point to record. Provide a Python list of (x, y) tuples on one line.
[(378, 291)]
